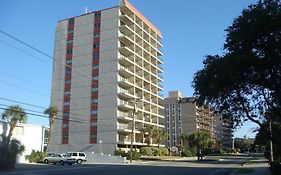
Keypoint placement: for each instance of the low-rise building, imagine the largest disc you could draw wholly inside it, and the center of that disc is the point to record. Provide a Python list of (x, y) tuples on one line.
[(33, 137)]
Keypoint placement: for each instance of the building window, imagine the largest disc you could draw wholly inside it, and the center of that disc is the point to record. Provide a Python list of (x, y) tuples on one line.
[(93, 135), (94, 101), (95, 78), (96, 36), (68, 61), (71, 21), (69, 51), (95, 55), (95, 67), (66, 103), (96, 45), (93, 123), (70, 31), (97, 25), (97, 15), (65, 125), (94, 112)]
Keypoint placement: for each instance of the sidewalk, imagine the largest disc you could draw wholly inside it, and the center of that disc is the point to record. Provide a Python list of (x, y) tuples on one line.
[(256, 167)]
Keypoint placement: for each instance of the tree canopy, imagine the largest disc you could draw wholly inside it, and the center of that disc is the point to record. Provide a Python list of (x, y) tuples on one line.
[(244, 83)]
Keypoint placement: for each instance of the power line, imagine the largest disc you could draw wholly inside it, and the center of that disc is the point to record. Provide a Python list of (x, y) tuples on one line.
[(27, 53), (24, 43), (32, 47), (22, 88), (23, 80), (28, 104)]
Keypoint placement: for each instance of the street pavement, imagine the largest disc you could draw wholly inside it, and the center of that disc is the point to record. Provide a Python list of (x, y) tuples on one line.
[(259, 167), (181, 166)]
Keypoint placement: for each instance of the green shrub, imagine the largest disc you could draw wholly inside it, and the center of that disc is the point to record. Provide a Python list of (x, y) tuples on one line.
[(146, 151), (156, 151), (121, 153), (186, 153), (136, 155), (36, 156), (165, 151)]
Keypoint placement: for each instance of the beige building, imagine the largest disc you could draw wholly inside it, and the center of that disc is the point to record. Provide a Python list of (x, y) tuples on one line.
[(104, 60), (184, 116)]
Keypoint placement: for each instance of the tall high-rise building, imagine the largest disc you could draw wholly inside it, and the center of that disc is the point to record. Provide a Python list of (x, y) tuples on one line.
[(106, 63)]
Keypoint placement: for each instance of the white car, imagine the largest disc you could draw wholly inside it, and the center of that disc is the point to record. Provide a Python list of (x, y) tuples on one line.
[(59, 158), (78, 156)]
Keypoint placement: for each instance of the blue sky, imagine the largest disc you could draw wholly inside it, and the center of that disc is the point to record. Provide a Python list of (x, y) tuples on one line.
[(190, 29)]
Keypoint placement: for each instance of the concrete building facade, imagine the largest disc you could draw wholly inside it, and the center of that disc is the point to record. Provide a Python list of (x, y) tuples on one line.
[(104, 60), (183, 117)]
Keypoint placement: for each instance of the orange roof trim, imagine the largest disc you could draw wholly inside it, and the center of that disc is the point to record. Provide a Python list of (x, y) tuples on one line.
[(131, 7)]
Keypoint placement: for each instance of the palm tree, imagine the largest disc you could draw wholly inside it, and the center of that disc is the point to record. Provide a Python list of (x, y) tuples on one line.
[(200, 139), (184, 139), (13, 114), (149, 130), (52, 111), (160, 135)]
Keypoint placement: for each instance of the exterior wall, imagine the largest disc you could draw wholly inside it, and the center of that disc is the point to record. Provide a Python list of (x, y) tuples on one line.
[(107, 106)]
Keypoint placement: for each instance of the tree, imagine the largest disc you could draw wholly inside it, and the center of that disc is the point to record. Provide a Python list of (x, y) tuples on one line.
[(13, 115), (52, 111), (201, 140), (160, 135), (244, 83), (10, 148), (149, 130), (184, 139)]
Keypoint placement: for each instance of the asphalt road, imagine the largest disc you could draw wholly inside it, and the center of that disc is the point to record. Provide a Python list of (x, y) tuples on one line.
[(176, 167)]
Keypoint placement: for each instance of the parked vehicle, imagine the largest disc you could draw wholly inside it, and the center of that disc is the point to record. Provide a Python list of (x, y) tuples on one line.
[(59, 158), (78, 156)]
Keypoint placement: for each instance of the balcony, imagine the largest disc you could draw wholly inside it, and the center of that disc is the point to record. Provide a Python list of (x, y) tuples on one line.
[(124, 71), (125, 82), (124, 105), (125, 39), (125, 61), (126, 19), (124, 117), (125, 50), (125, 93), (126, 29), (121, 127)]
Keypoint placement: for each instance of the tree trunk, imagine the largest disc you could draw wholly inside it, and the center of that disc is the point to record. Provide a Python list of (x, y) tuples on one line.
[(198, 153)]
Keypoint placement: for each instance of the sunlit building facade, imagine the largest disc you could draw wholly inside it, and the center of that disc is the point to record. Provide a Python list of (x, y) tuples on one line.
[(104, 60)]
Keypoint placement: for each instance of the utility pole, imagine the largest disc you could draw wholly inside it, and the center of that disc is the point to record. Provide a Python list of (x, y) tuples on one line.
[(270, 141), (134, 102)]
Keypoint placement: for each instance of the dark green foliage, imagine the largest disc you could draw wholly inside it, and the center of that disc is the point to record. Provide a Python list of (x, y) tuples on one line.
[(164, 151), (244, 83), (136, 155), (121, 153), (146, 151), (36, 156)]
